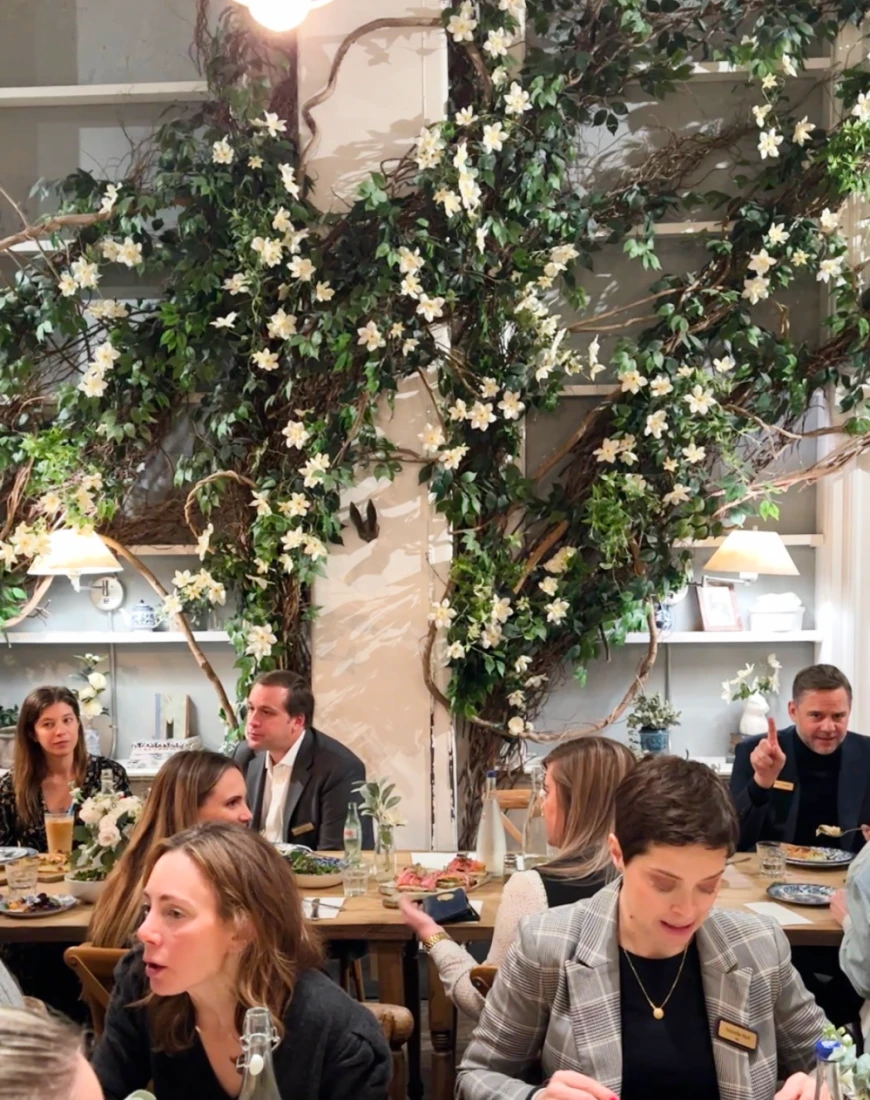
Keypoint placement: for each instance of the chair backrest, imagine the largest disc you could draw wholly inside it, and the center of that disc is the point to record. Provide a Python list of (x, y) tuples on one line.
[(95, 968), (482, 978)]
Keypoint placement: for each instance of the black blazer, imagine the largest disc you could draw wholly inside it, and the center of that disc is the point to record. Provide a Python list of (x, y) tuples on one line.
[(333, 1048), (773, 816), (324, 773)]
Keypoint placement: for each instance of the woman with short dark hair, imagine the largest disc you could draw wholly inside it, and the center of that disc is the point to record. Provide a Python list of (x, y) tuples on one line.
[(645, 989)]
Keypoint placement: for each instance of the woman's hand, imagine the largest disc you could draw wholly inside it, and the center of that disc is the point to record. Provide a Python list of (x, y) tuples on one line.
[(798, 1087), (567, 1085), (838, 907), (422, 926)]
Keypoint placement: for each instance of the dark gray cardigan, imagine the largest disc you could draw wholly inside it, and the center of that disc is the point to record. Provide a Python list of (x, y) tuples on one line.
[(333, 1048)]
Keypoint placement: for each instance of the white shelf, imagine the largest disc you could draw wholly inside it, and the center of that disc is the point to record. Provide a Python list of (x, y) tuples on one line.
[(109, 637), (727, 637), (788, 540), (97, 95)]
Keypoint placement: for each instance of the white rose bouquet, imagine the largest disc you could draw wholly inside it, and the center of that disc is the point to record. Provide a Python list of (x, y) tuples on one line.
[(95, 683), (107, 823)]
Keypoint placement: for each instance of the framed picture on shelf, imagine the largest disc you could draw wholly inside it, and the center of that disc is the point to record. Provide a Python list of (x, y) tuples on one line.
[(718, 603)]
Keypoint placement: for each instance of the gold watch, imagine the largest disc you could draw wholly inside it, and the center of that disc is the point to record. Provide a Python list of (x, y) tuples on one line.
[(430, 941)]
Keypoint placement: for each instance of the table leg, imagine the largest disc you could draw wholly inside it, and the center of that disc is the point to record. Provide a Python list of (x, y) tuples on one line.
[(397, 986), (442, 1028), (411, 967)]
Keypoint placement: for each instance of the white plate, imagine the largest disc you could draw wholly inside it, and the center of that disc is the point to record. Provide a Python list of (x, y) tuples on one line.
[(8, 854), (317, 882), (67, 902)]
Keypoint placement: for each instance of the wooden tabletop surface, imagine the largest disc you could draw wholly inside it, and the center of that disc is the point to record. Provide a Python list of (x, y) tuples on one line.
[(367, 918)]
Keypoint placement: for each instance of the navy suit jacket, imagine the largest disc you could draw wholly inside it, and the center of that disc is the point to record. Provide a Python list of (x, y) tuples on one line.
[(776, 818)]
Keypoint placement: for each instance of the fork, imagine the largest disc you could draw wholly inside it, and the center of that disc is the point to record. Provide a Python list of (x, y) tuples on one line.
[(844, 832)]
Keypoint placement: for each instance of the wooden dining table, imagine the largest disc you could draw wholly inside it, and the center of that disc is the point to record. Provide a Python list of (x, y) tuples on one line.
[(393, 948)]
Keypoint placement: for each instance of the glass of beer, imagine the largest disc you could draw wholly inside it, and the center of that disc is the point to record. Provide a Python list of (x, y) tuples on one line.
[(59, 831)]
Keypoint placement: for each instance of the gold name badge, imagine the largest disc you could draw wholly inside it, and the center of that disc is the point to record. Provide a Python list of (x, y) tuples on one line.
[(300, 829), (739, 1036), (783, 785)]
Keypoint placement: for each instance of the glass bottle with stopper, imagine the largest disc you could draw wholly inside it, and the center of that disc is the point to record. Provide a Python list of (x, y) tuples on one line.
[(828, 1052), (534, 829), (259, 1039)]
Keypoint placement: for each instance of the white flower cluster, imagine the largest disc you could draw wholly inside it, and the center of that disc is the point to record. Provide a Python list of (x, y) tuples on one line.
[(193, 587), (25, 542), (109, 819), (93, 381)]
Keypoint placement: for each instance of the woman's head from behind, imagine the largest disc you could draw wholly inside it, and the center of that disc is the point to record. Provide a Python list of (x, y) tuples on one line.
[(580, 781), (674, 829), (222, 913), (41, 1056), (49, 726)]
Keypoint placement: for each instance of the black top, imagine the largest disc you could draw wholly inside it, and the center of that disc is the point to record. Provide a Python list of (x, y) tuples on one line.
[(565, 891), (333, 1048), (16, 833), (819, 775), (671, 1057)]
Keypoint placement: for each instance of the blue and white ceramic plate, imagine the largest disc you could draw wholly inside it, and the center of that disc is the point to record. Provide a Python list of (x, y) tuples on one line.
[(36, 905), (820, 858), (801, 893), (8, 854)]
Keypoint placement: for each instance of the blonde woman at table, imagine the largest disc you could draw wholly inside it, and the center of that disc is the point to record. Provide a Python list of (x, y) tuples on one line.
[(190, 788), (42, 1056), (708, 997), (223, 931), (580, 780)]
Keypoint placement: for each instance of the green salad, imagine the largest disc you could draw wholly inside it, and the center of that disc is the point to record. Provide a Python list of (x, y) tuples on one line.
[(308, 863)]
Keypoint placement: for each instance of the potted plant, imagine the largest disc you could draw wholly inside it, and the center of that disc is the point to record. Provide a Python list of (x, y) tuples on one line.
[(106, 824), (379, 803), (8, 725), (753, 720), (652, 717)]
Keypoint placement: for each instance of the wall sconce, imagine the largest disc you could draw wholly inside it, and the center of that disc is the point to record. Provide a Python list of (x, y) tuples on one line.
[(281, 15), (74, 554), (751, 553)]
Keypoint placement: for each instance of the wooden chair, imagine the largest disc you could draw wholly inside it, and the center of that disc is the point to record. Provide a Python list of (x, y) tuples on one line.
[(95, 968), (482, 978)]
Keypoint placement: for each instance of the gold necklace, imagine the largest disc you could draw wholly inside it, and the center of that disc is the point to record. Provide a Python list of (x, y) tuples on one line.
[(658, 1011)]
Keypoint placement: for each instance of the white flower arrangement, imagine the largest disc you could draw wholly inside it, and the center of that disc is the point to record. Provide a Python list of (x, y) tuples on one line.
[(741, 687), (95, 684), (107, 823)]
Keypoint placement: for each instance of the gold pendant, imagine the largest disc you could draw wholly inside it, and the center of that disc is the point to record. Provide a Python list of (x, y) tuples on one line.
[(658, 1013)]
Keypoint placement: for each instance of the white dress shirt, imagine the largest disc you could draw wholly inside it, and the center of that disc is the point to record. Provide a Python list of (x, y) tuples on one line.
[(275, 792)]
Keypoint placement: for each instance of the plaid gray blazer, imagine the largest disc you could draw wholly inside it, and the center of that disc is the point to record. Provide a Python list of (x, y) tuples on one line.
[(556, 1000)]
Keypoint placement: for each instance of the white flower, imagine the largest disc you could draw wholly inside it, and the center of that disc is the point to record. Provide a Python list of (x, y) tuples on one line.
[(511, 406), (323, 292), (497, 42), (451, 459), (521, 664), (265, 359), (560, 560), (760, 114), (296, 434), (685, 372), (465, 117), (678, 495), (449, 199), (773, 662), (756, 290), (236, 284), (410, 261), (222, 152), (632, 381), (458, 410), (608, 450), (430, 148), (455, 651), (282, 325), (272, 123), (84, 501), (430, 308), (409, 345), (297, 505), (768, 82), (442, 614), (494, 137), (661, 386), (90, 813), (480, 238), (670, 464), (556, 611), (489, 388), (202, 543), (86, 274), (460, 158), (432, 437), (549, 586), (788, 65), (110, 197), (699, 400), (491, 636), (67, 285), (288, 178), (517, 699), (260, 501), (830, 268), (109, 835), (802, 131), (725, 364), (517, 100), (462, 24), (499, 76), (799, 257), (281, 222), (270, 250), (92, 384), (469, 191), (293, 539), (411, 286), (255, 162), (563, 254), (98, 681), (516, 8), (109, 249), (517, 725), (50, 503), (861, 109), (626, 450), (829, 220), (370, 337), (293, 240), (769, 143), (105, 356), (481, 415), (761, 262), (635, 483), (301, 269), (315, 548), (694, 453), (224, 322), (260, 640), (129, 253), (656, 424), (501, 609)]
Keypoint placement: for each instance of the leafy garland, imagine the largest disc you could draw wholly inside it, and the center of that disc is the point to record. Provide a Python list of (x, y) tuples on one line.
[(279, 329)]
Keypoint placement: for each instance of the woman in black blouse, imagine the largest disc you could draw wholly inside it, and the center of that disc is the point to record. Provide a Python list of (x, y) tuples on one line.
[(222, 932), (50, 761)]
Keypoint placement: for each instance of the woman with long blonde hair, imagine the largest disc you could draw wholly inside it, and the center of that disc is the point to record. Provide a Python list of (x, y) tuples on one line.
[(223, 932), (580, 781), (190, 788)]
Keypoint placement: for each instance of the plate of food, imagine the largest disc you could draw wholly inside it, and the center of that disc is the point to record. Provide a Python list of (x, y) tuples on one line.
[(8, 854), (37, 905), (801, 893), (800, 855), (416, 881), (311, 870)]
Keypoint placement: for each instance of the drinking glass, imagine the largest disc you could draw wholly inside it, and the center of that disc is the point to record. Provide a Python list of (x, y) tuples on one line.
[(59, 831), (354, 879), (771, 858), (22, 875)]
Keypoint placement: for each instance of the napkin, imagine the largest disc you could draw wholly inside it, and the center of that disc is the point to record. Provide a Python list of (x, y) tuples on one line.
[(780, 914), (328, 909)]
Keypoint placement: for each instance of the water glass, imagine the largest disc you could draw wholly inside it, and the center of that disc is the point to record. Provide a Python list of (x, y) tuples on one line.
[(22, 875), (354, 880), (771, 858)]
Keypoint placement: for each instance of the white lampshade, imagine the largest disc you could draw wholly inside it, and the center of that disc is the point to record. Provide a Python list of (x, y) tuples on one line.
[(281, 15), (74, 553), (753, 553)]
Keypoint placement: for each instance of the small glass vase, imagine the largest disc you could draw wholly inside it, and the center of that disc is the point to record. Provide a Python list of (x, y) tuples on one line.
[(385, 853)]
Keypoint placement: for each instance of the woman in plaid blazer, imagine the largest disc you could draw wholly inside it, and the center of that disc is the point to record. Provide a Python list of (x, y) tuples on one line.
[(645, 990)]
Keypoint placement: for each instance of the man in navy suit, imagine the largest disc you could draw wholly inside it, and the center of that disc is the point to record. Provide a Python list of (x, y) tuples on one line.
[(788, 783)]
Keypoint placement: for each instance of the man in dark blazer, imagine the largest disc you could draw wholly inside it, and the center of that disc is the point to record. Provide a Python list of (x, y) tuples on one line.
[(299, 780), (786, 784)]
